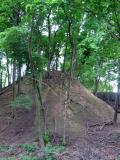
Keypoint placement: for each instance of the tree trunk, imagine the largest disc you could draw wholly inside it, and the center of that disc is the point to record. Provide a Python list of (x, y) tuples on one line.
[(65, 118), (71, 76), (96, 82), (37, 93), (118, 95), (19, 78), (8, 73), (42, 109), (96, 79), (56, 61), (0, 74), (49, 45), (14, 78), (65, 56), (5, 80), (1, 80), (14, 94), (38, 122)]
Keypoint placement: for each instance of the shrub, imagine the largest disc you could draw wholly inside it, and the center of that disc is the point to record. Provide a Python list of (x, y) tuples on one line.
[(47, 138)]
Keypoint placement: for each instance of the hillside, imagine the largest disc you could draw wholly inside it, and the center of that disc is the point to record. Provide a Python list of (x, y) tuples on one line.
[(85, 110)]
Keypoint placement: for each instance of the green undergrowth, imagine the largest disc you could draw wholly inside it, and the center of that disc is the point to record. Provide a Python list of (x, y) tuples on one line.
[(28, 147), (51, 150), (21, 158), (6, 148), (31, 152)]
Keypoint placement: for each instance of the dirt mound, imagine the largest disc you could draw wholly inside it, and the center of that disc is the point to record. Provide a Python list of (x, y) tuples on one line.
[(85, 109)]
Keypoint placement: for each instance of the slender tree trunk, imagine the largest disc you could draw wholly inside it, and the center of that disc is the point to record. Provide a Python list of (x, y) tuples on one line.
[(1, 80), (14, 78), (71, 76), (14, 113), (116, 109), (65, 118), (4, 84), (8, 73), (65, 56), (56, 61), (11, 75), (117, 104), (19, 78), (37, 93), (49, 45), (0, 74), (97, 76), (38, 121), (42, 108), (96, 83)]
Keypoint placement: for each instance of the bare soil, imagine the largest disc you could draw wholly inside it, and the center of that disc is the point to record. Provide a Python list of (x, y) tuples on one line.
[(90, 138)]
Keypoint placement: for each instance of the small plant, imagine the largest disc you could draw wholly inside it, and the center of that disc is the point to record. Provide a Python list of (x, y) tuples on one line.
[(28, 147), (47, 138), (50, 151)]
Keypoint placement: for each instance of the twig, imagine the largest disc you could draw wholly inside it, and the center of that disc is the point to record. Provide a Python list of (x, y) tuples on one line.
[(101, 124)]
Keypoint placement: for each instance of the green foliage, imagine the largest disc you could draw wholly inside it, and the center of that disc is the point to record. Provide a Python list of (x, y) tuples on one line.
[(22, 101), (6, 148), (118, 158), (50, 151), (37, 31), (11, 158), (28, 147), (23, 157), (29, 158), (94, 30), (47, 138), (105, 87)]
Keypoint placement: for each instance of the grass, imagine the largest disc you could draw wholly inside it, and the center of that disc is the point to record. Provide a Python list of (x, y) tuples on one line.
[(30, 152), (11, 158), (21, 158), (6, 148), (28, 147)]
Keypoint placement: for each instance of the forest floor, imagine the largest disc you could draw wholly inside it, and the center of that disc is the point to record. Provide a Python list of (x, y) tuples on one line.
[(99, 141)]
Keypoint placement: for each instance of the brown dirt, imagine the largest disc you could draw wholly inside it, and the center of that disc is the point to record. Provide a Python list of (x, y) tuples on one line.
[(98, 142)]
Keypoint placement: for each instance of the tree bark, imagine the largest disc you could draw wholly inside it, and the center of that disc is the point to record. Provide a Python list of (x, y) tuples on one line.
[(117, 105), (64, 62), (49, 49), (19, 78), (14, 94), (96, 83), (14, 78), (0, 74), (72, 66), (37, 93), (8, 73), (56, 61)]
